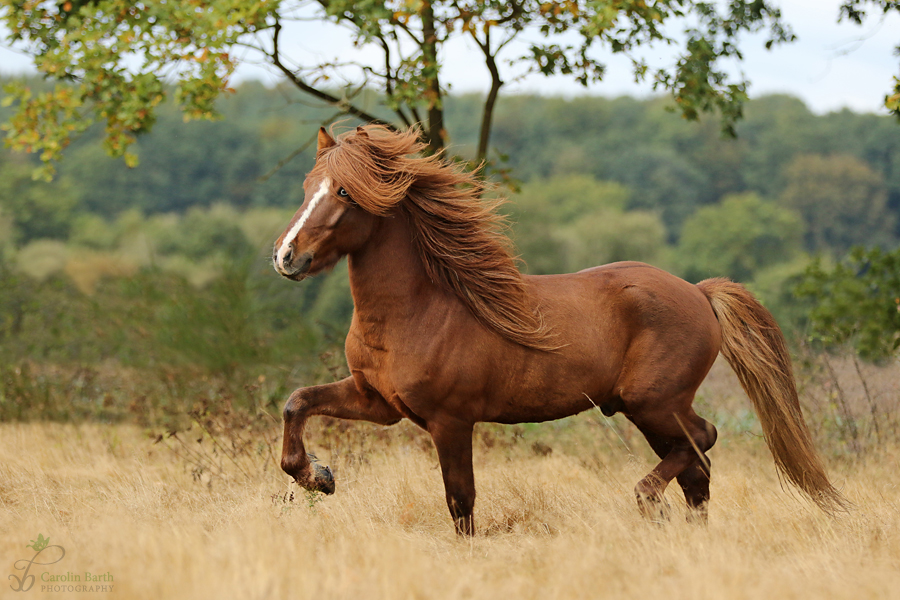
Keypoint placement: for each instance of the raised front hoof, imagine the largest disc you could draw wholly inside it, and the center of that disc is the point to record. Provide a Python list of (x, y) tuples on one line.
[(654, 508), (312, 476), (323, 480)]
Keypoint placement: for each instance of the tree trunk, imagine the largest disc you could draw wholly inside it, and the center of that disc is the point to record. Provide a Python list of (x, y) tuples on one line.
[(434, 131), (487, 115)]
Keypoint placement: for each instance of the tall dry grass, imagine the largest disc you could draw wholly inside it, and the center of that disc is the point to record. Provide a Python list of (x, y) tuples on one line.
[(555, 514)]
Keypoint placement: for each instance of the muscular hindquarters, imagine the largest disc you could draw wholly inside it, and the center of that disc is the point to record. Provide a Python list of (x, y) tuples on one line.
[(675, 343)]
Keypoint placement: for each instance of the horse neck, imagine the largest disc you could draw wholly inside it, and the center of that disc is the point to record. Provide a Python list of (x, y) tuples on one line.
[(387, 276)]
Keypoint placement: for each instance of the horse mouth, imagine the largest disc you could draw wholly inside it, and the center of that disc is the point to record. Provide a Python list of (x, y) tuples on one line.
[(296, 272)]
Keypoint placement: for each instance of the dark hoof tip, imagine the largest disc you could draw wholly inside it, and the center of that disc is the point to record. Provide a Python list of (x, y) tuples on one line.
[(324, 480), (653, 508), (698, 515)]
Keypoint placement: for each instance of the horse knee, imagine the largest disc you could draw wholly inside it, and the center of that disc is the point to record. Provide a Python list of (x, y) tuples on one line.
[(296, 404)]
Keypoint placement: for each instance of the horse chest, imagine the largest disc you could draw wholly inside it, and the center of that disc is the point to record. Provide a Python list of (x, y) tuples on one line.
[(405, 378), (370, 360)]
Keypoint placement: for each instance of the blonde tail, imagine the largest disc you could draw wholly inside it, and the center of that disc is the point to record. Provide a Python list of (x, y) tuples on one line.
[(755, 348)]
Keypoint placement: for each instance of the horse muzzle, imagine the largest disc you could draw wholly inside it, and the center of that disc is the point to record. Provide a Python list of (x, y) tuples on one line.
[(294, 266)]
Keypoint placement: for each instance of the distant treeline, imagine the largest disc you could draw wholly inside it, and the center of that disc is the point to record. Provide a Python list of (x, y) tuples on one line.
[(596, 180), (669, 165)]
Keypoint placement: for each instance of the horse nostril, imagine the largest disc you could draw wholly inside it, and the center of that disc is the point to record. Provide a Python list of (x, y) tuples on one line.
[(287, 256)]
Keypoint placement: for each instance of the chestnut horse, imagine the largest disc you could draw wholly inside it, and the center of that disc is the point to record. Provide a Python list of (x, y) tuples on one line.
[(447, 332)]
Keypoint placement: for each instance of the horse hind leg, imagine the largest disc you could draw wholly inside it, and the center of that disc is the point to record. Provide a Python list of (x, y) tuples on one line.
[(694, 482), (681, 441)]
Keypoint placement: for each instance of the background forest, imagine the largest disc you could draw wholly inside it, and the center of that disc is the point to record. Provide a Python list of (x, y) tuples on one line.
[(165, 268)]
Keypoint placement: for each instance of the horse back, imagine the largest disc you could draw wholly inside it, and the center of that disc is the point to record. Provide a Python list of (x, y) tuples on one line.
[(622, 300)]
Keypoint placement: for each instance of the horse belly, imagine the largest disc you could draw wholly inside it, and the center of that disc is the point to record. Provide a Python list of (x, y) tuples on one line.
[(553, 387), (548, 407)]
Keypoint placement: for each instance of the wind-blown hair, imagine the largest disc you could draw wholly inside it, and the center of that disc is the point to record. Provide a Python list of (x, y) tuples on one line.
[(458, 235)]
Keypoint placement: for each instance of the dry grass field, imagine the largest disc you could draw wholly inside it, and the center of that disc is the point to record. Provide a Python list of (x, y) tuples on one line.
[(202, 516)]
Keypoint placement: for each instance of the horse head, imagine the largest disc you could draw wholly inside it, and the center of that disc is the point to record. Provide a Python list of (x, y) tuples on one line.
[(328, 225)]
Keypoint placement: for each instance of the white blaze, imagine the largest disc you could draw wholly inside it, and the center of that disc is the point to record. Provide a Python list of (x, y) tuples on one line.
[(298, 225)]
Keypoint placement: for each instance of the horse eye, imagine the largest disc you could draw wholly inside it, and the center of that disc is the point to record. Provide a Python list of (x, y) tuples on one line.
[(343, 192)]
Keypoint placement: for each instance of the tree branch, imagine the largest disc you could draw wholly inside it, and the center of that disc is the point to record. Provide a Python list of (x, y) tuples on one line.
[(340, 103), (417, 118), (487, 114), (297, 152), (388, 79)]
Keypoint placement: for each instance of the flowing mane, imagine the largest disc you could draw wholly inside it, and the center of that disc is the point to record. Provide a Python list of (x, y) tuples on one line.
[(458, 235)]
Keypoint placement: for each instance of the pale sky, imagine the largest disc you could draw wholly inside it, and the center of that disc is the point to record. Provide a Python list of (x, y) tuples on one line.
[(830, 66)]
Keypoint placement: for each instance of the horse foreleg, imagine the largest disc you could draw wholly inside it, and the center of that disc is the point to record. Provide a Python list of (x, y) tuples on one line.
[(453, 442), (341, 399)]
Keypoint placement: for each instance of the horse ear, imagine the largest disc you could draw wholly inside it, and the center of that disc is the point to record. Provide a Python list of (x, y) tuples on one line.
[(325, 140), (361, 132)]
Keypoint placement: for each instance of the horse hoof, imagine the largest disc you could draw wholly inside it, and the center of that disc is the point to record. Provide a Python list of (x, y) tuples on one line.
[(314, 477), (323, 479), (653, 508), (698, 515)]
